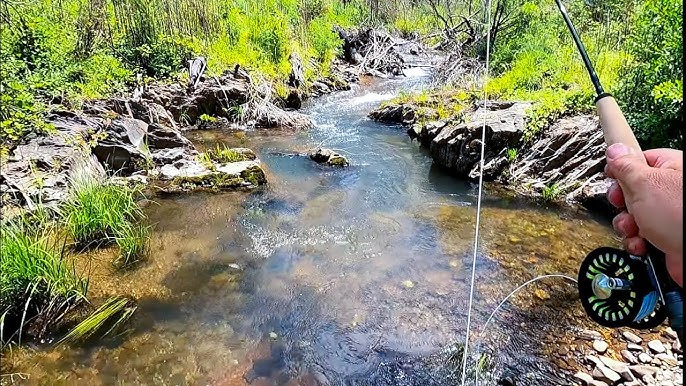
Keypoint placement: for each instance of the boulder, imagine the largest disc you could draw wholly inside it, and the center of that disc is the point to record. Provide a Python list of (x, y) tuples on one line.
[(457, 148), (327, 156)]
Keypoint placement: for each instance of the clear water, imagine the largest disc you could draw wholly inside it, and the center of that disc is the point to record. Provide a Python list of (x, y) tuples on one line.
[(354, 276)]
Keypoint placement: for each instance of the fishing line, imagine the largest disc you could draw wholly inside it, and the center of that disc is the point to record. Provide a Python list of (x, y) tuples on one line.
[(478, 200)]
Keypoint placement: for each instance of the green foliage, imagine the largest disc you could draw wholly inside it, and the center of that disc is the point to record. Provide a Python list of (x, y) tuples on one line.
[(35, 279), (652, 86), (550, 193), (223, 155), (511, 155)]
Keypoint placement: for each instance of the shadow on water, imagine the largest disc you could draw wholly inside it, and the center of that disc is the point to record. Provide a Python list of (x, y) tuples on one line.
[(354, 276)]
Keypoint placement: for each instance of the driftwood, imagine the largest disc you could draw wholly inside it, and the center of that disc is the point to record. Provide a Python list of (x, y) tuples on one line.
[(372, 50)]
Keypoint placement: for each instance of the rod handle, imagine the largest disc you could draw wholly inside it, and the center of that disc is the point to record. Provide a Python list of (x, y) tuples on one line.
[(615, 127)]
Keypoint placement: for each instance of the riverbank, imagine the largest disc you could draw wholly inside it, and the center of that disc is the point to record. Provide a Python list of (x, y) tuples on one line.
[(561, 164)]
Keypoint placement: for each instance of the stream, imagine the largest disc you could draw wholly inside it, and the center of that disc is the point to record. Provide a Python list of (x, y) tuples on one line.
[(337, 276)]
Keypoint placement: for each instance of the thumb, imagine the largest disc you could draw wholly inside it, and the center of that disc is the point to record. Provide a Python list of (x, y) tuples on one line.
[(626, 166)]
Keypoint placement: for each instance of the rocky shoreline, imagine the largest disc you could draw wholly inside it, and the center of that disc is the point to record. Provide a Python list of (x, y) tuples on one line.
[(565, 163)]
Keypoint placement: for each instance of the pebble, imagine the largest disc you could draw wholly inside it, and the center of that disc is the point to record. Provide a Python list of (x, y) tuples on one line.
[(644, 358), (600, 346), (629, 357), (666, 359), (634, 347), (604, 374), (676, 347), (590, 335), (648, 379), (671, 333), (656, 346), (643, 370), (618, 367), (631, 337)]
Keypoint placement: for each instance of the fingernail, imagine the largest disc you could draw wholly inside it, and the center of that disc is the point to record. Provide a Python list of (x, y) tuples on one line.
[(617, 150)]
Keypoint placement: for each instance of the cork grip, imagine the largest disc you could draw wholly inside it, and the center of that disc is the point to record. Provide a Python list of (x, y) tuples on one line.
[(614, 125)]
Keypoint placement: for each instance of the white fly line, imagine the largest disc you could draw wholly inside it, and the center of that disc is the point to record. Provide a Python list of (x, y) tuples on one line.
[(465, 351)]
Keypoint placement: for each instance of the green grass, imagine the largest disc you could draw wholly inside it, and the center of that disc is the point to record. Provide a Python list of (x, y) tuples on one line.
[(511, 154), (133, 241), (551, 193), (223, 155), (98, 212), (107, 319), (37, 285)]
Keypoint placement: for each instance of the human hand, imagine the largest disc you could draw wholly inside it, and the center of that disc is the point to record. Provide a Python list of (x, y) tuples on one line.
[(652, 198)]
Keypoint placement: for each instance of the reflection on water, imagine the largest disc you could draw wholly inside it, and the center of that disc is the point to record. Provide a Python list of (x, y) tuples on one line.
[(355, 276)]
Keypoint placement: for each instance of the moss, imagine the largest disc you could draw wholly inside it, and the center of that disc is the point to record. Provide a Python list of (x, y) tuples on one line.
[(254, 175), (337, 161)]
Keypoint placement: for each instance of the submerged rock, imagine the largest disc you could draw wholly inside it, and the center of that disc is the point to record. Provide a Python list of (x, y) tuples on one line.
[(327, 156)]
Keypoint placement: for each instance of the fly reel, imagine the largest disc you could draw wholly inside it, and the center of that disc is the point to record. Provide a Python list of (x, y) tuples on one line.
[(617, 289)]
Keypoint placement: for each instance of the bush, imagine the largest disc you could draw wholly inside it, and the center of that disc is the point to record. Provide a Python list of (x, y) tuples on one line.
[(652, 90)]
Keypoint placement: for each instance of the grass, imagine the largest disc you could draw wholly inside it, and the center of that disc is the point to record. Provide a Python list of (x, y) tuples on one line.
[(223, 155), (551, 193), (98, 212), (511, 154), (111, 315), (37, 286)]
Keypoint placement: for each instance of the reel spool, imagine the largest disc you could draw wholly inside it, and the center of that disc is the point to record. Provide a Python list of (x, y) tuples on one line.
[(617, 289)]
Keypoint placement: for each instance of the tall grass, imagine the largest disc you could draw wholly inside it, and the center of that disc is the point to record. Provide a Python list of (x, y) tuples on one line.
[(111, 315), (37, 285), (98, 212)]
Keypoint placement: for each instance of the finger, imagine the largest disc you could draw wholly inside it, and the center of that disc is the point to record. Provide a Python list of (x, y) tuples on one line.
[(626, 166), (665, 158), (625, 224), (635, 245), (615, 195)]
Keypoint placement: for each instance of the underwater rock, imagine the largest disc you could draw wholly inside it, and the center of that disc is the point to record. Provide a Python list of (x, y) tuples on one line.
[(328, 157)]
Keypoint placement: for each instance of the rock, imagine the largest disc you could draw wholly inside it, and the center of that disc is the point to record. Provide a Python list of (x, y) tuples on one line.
[(629, 357), (590, 335), (656, 346), (600, 346), (676, 346), (297, 76), (327, 156), (631, 337), (642, 370), (620, 368), (588, 380), (605, 374), (401, 113), (649, 379), (634, 347), (161, 137), (644, 358), (667, 359), (671, 333), (294, 99)]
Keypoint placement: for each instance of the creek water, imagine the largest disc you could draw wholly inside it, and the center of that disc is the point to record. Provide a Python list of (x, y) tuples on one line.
[(336, 276)]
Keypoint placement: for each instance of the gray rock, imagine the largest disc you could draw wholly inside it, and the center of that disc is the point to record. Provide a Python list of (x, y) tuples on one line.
[(676, 346), (667, 359), (631, 337), (629, 357), (605, 374), (671, 333), (644, 358), (656, 346), (634, 347), (600, 346), (588, 380), (328, 157), (642, 370), (649, 379), (620, 368)]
